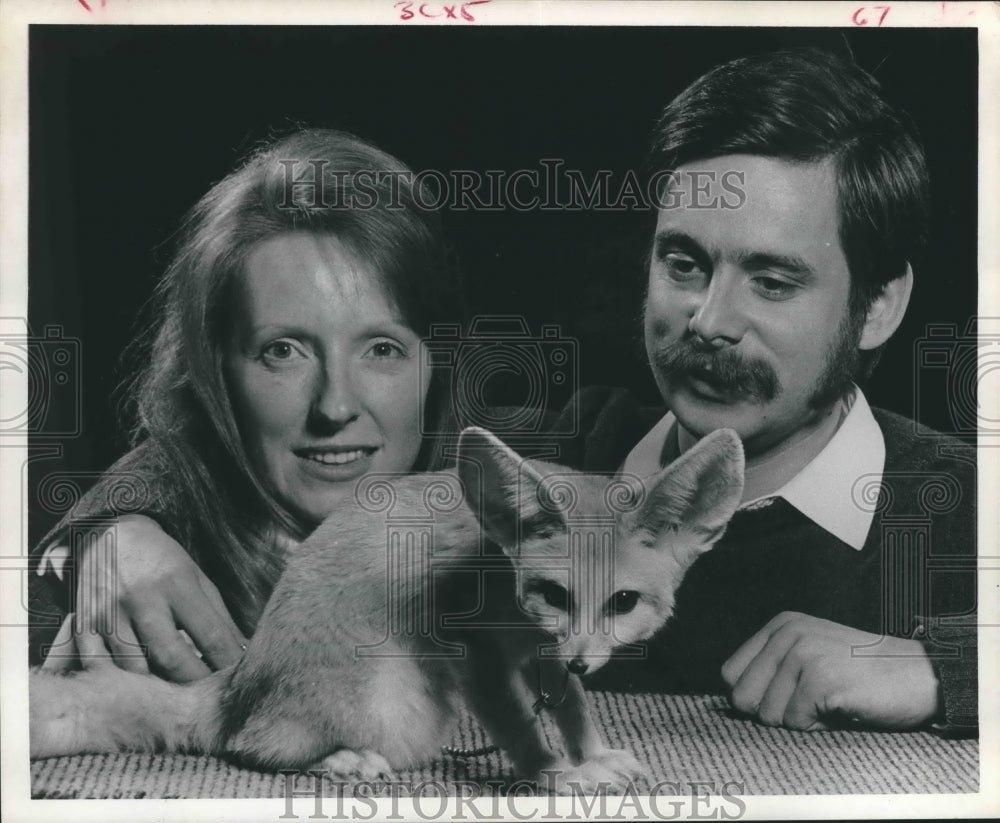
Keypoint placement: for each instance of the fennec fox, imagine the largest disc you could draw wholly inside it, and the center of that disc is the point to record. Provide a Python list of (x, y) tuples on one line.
[(365, 652)]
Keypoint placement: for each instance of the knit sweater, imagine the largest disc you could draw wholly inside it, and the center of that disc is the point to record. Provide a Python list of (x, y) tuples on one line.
[(914, 577)]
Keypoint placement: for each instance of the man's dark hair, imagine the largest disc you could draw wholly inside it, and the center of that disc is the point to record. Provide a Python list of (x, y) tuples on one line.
[(808, 105)]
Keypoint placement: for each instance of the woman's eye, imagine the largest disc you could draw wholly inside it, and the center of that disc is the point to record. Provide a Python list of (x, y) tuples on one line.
[(280, 351)]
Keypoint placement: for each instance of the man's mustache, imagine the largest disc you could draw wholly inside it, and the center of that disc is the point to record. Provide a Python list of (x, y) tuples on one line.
[(729, 372)]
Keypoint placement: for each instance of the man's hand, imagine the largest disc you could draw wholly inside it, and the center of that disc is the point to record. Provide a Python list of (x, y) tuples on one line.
[(806, 673), (134, 606)]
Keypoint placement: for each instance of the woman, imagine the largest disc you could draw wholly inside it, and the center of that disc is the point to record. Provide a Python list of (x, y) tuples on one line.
[(285, 365)]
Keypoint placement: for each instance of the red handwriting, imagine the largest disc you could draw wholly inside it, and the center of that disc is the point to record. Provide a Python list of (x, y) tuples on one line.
[(94, 5), (860, 20), (945, 10), (443, 10)]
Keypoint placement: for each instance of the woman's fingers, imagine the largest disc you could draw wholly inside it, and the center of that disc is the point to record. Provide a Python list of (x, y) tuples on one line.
[(62, 655), (90, 645), (128, 652), (208, 624), (169, 654)]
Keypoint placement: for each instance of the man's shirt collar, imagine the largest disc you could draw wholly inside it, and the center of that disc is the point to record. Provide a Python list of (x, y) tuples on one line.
[(824, 491)]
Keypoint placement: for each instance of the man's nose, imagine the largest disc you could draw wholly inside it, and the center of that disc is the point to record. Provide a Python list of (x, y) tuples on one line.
[(336, 399), (718, 314)]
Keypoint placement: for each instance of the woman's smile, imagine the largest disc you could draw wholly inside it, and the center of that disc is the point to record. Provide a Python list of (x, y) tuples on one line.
[(338, 457)]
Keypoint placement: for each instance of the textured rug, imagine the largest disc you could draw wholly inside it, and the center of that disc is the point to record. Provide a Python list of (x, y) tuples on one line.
[(682, 739)]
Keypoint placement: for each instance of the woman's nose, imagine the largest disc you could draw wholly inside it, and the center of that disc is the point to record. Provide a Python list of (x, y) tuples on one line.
[(336, 400)]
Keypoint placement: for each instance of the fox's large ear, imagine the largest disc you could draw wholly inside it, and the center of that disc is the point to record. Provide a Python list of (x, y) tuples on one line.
[(695, 496), (501, 488)]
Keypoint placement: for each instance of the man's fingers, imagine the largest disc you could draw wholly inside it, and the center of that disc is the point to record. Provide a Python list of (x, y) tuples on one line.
[(735, 666), (212, 630), (783, 684), (750, 688), (800, 672), (804, 709), (170, 655)]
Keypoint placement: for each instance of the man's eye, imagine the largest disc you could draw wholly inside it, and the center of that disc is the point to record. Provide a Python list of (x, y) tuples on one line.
[(774, 288), (385, 349), (681, 267)]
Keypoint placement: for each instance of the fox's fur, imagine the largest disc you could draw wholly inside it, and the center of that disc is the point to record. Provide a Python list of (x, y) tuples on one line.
[(365, 652)]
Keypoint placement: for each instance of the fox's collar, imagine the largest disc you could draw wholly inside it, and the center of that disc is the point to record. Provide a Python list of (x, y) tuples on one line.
[(833, 490)]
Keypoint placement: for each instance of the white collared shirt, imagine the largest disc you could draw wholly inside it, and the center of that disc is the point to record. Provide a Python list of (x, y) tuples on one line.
[(825, 490)]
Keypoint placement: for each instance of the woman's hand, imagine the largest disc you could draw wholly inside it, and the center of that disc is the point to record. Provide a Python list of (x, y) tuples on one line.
[(143, 604)]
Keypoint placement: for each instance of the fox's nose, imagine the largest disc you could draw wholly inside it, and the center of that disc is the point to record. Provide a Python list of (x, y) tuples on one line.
[(578, 666)]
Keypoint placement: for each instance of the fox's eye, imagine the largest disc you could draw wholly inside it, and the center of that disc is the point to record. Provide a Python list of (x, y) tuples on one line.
[(623, 602), (554, 595)]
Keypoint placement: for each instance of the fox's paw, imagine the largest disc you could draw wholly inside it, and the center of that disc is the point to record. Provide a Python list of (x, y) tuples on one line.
[(620, 761), (348, 763), (605, 771)]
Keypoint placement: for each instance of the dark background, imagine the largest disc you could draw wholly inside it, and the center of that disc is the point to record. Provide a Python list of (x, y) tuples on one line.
[(130, 125)]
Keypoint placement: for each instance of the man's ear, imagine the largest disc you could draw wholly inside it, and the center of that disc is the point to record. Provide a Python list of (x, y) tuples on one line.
[(500, 486), (886, 311), (694, 497)]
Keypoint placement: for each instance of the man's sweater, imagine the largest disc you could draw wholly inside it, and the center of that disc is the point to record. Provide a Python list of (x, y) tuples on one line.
[(915, 576)]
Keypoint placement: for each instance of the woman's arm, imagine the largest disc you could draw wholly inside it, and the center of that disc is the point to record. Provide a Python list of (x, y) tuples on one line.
[(133, 595), (142, 603)]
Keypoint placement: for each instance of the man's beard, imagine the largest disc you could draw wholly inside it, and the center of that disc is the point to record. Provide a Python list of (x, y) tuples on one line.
[(842, 360), (740, 377)]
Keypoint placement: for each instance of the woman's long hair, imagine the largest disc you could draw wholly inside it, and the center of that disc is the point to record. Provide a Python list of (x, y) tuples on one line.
[(314, 180)]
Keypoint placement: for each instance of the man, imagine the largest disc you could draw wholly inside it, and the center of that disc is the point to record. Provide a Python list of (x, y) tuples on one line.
[(792, 202)]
